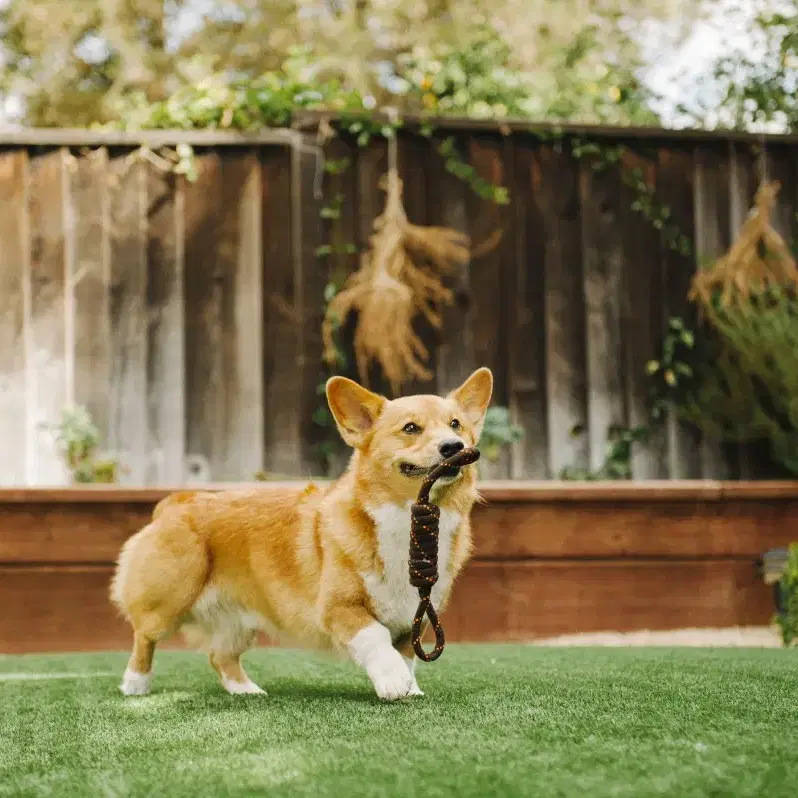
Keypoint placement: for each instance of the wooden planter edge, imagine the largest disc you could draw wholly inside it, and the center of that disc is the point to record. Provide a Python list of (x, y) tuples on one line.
[(494, 492)]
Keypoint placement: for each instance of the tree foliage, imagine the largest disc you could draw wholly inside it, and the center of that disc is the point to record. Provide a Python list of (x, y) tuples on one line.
[(80, 62), (753, 83)]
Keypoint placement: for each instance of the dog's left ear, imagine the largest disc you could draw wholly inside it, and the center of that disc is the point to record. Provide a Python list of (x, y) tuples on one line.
[(354, 408), (473, 396)]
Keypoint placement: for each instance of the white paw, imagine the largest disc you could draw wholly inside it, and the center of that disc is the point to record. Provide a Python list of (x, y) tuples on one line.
[(391, 679), (135, 683), (242, 688), (371, 648), (411, 666)]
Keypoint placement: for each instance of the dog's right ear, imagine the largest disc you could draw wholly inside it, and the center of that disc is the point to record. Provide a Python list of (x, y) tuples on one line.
[(354, 409)]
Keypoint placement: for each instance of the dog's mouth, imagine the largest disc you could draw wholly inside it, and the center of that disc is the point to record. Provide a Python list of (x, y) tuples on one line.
[(412, 470)]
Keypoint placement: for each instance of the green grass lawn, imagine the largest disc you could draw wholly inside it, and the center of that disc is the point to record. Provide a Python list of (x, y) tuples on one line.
[(496, 721)]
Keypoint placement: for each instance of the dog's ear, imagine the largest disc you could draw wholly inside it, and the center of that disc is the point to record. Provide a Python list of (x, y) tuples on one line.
[(473, 396), (354, 409)]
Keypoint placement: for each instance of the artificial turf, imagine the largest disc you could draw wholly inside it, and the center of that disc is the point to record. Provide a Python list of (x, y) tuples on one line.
[(496, 721)]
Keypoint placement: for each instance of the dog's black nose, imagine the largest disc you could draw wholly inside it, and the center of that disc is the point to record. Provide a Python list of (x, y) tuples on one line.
[(451, 447)]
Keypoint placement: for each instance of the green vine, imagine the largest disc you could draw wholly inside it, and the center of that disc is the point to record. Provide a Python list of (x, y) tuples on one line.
[(646, 202)]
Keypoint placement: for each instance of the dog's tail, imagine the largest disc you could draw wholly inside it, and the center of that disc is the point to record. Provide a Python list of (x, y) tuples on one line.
[(180, 497), (165, 551)]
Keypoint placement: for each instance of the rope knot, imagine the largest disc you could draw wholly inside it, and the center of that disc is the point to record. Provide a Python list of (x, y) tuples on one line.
[(423, 562), (424, 521)]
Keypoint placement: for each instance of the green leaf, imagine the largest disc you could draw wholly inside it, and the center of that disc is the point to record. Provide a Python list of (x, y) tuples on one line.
[(330, 290), (322, 416), (670, 377)]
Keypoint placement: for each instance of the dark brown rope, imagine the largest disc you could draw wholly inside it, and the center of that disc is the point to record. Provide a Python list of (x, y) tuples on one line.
[(424, 521)]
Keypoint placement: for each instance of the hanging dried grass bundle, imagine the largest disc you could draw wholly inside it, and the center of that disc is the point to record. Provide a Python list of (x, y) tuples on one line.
[(399, 277), (749, 298), (758, 260)]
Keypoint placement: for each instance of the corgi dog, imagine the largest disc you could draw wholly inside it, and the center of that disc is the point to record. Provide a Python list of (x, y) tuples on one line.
[(324, 567)]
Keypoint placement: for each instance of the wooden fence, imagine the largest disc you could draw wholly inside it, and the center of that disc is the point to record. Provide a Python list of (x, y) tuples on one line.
[(550, 559), (186, 316)]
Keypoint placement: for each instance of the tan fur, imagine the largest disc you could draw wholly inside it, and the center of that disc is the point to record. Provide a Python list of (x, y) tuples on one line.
[(221, 566)]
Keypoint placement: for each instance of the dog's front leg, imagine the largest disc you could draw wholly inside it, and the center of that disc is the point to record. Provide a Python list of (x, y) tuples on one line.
[(370, 646), (404, 645)]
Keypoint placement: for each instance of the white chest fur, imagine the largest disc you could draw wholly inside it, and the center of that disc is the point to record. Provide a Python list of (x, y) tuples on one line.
[(392, 596)]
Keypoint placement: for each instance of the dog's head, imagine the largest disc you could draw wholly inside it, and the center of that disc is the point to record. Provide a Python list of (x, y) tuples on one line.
[(399, 441)]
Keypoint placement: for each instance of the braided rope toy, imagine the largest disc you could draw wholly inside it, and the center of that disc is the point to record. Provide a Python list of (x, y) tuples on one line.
[(424, 520)]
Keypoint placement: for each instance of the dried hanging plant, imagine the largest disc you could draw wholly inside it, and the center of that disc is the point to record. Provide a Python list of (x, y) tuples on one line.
[(399, 277), (758, 259), (749, 297)]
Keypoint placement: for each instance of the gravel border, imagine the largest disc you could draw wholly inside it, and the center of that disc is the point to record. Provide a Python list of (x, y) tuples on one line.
[(737, 637)]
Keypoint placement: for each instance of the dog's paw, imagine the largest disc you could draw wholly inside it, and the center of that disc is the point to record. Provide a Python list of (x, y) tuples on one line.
[(242, 688), (415, 689), (392, 679), (393, 686), (135, 683)]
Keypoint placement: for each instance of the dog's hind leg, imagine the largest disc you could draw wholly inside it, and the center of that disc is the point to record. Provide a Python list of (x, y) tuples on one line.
[(232, 674), (138, 674), (161, 572)]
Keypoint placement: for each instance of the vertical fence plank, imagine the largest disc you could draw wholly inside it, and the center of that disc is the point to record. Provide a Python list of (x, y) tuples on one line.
[(603, 264), (129, 433), (166, 399), (309, 282), (641, 303), (91, 300), (557, 196), (204, 289), (527, 345), (225, 279), (675, 188), (241, 434), (712, 240), (447, 206), (415, 157), (342, 233), (47, 357), (371, 167), (773, 162), (14, 276), (282, 387), (489, 273), (751, 456), (343, 229)]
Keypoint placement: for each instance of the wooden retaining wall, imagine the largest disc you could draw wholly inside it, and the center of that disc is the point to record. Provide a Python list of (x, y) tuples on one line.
[(551, 558)]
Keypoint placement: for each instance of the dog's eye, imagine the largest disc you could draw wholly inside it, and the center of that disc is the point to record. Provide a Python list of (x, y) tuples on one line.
[(411, 429), (455, 424)]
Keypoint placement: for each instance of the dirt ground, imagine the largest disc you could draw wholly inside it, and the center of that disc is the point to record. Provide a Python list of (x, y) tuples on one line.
[(740, 637)]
